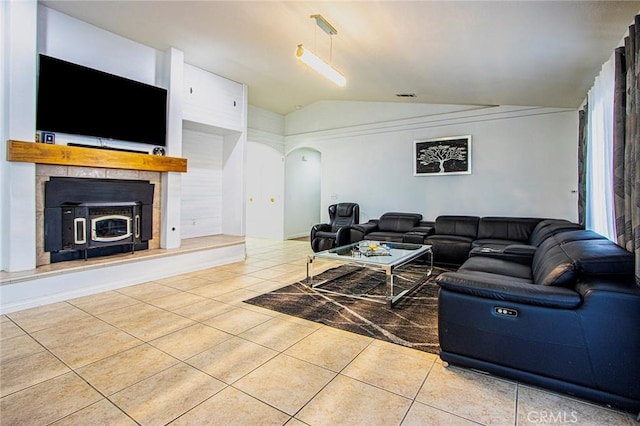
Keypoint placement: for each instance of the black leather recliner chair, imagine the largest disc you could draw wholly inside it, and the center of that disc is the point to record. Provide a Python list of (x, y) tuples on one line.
[(335, 233)]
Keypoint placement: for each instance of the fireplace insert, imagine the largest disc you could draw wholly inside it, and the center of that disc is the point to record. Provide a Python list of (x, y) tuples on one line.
[(96, 217), (90, 225)]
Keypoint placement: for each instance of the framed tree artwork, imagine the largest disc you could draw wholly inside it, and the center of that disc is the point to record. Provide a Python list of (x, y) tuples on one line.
[(442, 156)]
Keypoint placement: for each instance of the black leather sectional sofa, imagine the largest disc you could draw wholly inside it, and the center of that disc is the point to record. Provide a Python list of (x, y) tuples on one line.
[(541, 301), (393, 227), (453, 237)]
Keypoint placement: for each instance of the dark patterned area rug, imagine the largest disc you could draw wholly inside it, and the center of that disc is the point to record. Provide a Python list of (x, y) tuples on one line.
[(412, 322)]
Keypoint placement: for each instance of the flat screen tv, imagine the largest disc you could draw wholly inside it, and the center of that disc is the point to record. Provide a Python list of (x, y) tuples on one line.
[(83, 101)]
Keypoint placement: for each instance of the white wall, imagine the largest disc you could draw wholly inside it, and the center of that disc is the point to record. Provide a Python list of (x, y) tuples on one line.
[(201, 202), (302, 202), (524, 163), (76, 41), (73, 40), (326, 115), (17, 197)]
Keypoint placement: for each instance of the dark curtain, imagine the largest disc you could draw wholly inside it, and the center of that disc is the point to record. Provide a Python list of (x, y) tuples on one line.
[(582, 170), (627, 145)]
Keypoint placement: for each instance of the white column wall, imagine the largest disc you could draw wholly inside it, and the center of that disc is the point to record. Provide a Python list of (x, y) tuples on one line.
[(171, 235), (233, 183), (17, 201)]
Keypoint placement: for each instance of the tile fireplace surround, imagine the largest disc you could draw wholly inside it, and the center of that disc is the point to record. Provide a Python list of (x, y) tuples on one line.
[(45, 172)]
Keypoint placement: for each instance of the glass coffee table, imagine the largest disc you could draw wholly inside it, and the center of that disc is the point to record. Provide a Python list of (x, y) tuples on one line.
[(377, 255)]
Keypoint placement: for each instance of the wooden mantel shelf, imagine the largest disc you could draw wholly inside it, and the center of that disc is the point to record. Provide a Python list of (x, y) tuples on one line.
[(41, 153)]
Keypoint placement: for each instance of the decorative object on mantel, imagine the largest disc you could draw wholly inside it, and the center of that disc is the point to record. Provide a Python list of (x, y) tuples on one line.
[(442, 156), (158, 150), (413, 322), (48, 137), (30, 152)]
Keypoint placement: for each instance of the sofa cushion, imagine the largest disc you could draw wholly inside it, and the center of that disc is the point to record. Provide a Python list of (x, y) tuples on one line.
[(463, 226), (600, 258), (547, 227), (501, 267), (450, 239), (495, 243), (398, 222), (516, 229), (449, 249), (385, 236), (554, 265), (551, 265), (577, 235)]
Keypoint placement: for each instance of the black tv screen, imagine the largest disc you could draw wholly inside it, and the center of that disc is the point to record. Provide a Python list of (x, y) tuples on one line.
[(83, 101)]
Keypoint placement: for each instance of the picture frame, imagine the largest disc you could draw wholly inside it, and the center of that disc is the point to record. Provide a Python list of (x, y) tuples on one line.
[(442, 156)]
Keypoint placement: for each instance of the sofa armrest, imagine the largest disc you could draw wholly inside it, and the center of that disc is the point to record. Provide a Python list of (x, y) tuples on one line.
[(491, 286), (358, 232), (367, 227), (344, 236), (426, 230), (322, 227), (520, 250)]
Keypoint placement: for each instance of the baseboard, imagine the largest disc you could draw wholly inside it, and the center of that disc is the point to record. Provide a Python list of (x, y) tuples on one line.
[(296, 236)]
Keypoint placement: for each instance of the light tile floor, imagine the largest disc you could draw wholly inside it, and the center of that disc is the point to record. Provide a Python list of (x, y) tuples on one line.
[(186, 350)]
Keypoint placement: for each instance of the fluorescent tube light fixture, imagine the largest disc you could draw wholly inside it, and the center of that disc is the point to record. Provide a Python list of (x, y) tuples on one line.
[(315, 62), (326, 70)]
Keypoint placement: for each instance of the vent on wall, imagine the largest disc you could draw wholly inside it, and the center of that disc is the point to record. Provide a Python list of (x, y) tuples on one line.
[(406, 95)]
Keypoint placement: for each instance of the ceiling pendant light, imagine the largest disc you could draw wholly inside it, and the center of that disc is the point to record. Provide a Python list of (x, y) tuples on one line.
[(315, 62), (326, 70)]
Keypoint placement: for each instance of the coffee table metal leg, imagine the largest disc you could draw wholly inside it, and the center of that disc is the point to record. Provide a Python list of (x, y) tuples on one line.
[(395, 299), (310, 270), (389, 272)]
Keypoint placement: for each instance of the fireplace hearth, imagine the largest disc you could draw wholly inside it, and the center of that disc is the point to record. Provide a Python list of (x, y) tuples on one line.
[(86, 217)]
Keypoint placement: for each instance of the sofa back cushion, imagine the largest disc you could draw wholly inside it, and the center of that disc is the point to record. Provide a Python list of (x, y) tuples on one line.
[(600, 257), (462, 226), (552, 266), (507, 228), (547, 227), (398, 222), (561, 258)]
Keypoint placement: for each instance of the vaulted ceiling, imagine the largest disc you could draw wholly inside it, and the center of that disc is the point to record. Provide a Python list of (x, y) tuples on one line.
[(534, 53)]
